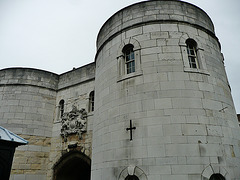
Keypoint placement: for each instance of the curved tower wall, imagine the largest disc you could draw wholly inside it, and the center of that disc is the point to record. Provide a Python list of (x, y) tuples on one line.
[(186, 125), (27, 104)]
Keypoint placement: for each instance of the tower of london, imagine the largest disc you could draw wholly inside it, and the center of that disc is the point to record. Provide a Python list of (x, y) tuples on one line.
[(154, 105)]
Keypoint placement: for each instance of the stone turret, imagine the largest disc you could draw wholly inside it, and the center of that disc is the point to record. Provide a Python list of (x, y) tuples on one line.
[(159, 65)]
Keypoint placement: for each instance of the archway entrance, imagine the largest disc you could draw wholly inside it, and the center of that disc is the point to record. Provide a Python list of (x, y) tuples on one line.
[(73, 166)]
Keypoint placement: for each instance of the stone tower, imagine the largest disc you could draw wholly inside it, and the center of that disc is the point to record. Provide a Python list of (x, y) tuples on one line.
[(159, 67), (155, 104)]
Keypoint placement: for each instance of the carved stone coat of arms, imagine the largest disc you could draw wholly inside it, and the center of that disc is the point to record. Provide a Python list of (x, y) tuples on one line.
[(74, 122)]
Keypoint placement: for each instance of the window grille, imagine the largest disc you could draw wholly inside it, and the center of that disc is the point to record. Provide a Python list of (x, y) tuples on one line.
[(91, 101), (61, 108), (129, 58), (192, 53)]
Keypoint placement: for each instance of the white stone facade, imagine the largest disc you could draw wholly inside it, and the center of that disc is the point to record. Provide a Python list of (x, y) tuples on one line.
[(185, 122), (186, 126)]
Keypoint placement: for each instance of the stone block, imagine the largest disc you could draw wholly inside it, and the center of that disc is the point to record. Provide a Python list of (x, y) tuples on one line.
[(179, 140), (172, 42), (139, 152), (176, 17), (214, 130), (19, 177), (134, 32), (151, 28), (163, 103), (148, 104), (198, 160), (187, 169), (187, 29), (156, 151), (175, 112), (187, 103), (150, 17), (197, 139), (159, 35), (194, 177), (153, 177), (174, 85), (182, 150), (171, 49), (192, 119), (177, 76), (160, 169), (191, 85), (156, 130), (172, 130), (166, 161), (205, 87), (169, 27), (210, 150), (149, 58), (142, 37), (152, 50), (161, 42), (149, 161), (211, 104), (148, 78), (174, 177), (194, 130), (148, 44), (182, 160)]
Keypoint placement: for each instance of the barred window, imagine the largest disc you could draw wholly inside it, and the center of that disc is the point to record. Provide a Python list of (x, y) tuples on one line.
[(192, 53), (61, 108), (91, 101), (129, 58)]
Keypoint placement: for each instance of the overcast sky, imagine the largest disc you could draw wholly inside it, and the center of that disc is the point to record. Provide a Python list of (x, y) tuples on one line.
[(57, 35)]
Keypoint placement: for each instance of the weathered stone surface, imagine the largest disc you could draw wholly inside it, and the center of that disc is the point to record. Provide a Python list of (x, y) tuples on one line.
[(186, 127)]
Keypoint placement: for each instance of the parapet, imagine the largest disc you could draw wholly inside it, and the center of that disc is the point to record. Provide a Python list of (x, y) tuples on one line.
[(45, 79), (28, 76), (155, 11)]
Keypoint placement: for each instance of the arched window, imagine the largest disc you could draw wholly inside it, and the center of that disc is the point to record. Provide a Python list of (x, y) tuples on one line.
[(129, 58), (217, 177), (131, 177), (61, 108), (192, 53), (91, 101)]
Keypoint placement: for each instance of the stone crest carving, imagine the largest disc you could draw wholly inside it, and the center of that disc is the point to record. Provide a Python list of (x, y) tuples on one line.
[(74, 122)]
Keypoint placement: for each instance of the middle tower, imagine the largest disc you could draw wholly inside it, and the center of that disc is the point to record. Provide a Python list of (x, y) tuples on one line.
[(159, 66)]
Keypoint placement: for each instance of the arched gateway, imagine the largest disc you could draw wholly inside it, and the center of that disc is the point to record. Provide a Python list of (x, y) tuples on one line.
[(73, 166)]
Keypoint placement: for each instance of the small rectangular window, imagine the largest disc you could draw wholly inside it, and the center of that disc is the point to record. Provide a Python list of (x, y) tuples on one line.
[(130, 61), (192, 54), (91, 102)]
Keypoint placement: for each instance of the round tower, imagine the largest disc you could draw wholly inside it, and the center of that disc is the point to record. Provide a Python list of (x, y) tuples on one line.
[(163, 104), (27, 104)]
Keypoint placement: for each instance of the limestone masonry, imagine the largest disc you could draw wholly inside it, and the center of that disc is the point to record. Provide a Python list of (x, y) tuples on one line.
[(155, 104)]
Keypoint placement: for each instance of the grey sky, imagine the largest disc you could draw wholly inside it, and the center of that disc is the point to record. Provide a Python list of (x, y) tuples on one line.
[(57, 35)]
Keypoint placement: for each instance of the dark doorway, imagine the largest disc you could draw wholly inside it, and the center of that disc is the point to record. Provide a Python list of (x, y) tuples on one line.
[(131, 177), (217, 177), (73, 166)]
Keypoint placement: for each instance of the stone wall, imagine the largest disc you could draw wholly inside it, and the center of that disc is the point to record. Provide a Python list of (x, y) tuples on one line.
[(78, 96), (29, 105), (165, 11), (186, 125)]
